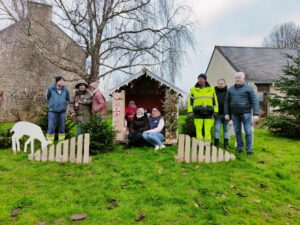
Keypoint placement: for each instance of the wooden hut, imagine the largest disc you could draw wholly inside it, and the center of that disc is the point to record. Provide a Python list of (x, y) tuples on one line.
[(147, 90)]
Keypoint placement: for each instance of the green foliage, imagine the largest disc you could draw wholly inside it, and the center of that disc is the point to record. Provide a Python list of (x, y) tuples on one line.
[(286, 118), (170, 108), (183, 112), (188, 127), (5, 139), (116, 186), (42, 121), (102, 134)]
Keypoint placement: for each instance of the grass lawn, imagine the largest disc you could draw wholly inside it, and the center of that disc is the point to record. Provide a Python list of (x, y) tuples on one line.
[(117, 186)]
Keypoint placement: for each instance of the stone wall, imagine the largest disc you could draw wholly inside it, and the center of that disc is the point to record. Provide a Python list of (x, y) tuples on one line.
[(25, 72)]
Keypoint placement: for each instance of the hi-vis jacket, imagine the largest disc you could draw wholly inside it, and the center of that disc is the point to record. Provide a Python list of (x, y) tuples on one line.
[(202, 97)]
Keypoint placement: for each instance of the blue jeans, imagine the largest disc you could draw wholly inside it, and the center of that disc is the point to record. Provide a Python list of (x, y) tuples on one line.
[(219, 120), (246, 119), (56, 119), (154, 138)]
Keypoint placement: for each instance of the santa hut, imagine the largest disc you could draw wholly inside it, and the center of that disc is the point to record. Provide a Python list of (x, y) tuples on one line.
[(147, 90)]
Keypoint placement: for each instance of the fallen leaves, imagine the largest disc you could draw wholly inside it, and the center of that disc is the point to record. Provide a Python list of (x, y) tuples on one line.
[(240, 194), (140, 216), (80, 216), (15, 212), (113, 203), (263, 186)]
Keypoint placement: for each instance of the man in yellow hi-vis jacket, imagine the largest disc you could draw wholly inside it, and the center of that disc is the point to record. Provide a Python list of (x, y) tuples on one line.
[(203, 104)]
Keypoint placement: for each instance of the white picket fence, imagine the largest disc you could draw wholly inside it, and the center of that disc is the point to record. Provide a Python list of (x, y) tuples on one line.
[(197, 151), (66, 151)]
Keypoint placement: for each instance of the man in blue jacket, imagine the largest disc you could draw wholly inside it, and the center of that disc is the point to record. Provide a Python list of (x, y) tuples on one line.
[(240, 103), (58, 97)]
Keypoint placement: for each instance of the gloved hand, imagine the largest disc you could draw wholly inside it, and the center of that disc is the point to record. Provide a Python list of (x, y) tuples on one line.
[(215, 114), (191, 114)]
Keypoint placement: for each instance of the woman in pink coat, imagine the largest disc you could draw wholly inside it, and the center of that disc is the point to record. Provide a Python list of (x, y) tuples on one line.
[(98, 101)]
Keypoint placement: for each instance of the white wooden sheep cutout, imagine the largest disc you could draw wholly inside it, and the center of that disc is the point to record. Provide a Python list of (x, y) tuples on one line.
[(29, 129)]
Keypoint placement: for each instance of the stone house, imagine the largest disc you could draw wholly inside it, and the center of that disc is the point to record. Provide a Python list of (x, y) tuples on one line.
[(262, 66), (34, 51)]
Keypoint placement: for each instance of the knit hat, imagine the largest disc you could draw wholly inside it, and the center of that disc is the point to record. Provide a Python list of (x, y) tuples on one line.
[(94, 85), (58, 78), (202, 75), (81, 82)]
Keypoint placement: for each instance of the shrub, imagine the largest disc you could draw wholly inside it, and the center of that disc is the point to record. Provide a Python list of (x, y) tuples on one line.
[(102, 134), (5, 139), (285, 120), (183, 112), (170, 108), (188, 127)]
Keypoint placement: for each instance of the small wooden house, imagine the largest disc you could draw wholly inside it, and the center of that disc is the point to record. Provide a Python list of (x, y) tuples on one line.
[(148, 91)]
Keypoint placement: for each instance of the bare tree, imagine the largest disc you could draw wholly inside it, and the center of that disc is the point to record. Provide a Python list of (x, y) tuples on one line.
[(13, 10), (119, 36), (286, 35)]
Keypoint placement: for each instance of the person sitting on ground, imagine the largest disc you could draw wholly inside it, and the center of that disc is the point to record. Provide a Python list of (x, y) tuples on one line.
[(138, 126), (155, 135), (130, 112)]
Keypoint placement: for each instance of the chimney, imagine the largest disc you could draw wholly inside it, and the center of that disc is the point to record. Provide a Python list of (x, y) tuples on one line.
[(39, 12)]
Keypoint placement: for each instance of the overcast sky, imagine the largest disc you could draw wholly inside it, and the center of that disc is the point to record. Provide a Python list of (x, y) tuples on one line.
[(232, 23)]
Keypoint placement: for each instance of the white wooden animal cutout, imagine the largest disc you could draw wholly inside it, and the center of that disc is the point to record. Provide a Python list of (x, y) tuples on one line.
[(29, 129)]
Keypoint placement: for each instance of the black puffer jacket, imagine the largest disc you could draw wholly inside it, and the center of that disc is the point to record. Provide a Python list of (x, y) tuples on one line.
[(139, 124), (221, 95)]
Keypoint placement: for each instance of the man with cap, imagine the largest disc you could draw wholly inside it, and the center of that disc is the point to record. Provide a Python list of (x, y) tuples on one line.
[(81, 104), (58, 97), (203, 104)]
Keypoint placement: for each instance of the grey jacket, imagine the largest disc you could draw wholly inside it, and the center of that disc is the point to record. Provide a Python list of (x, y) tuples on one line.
[(240, 100)]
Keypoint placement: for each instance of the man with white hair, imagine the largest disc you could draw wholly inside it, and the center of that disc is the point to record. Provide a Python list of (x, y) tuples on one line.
[(240, 103)]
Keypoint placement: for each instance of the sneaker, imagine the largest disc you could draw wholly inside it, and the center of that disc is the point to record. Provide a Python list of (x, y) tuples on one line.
[(156, 147), (161, 147), (249, 154)]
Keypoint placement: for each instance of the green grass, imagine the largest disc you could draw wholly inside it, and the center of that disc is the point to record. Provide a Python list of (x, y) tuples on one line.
[(142, 180), (5, 126)]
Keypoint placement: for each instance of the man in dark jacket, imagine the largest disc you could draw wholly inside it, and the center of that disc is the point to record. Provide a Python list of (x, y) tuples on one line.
[(58, 97), (240, 103), (221, 91)]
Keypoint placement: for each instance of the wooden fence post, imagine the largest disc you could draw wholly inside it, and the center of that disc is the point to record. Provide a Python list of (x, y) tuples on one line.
[(65, 151), (72, 150), (214, 154), (201, 151), (51, 153), (37, 155), (44, 154), (194, 149), (58, 152), (207, 153), (227, 156), (220, 155), (86, 152), (180, 148), (187, 156), (79, 149)]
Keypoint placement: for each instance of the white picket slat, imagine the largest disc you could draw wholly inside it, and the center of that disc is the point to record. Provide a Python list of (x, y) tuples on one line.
[(187, 155)]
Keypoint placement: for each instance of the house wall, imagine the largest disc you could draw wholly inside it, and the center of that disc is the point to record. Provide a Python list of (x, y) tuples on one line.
[(219, 68), (25, 73)]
